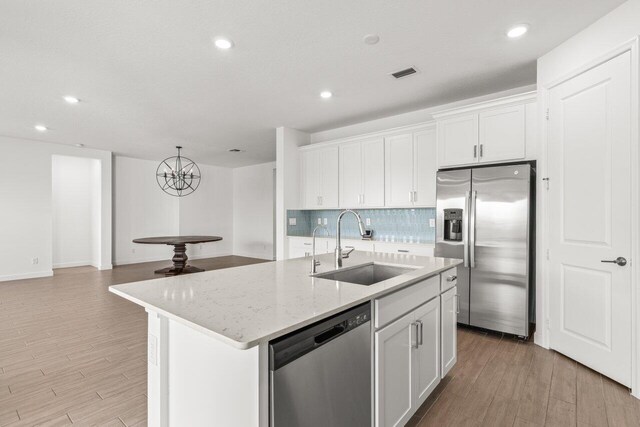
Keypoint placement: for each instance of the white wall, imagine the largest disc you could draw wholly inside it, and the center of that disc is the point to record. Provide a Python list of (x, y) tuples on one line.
[(75, 207), (287, 181), (253, 201), (26, 206), (142, 209), (209, 211)]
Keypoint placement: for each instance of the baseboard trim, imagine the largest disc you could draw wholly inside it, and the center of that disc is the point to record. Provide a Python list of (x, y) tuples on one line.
[(73, 264), (24, 276), (255, 255)]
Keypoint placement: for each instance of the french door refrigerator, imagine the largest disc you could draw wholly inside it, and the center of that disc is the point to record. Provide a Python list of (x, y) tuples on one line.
[(485, 216)]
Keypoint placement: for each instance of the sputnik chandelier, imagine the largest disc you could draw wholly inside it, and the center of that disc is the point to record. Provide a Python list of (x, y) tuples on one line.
[(178, 176)]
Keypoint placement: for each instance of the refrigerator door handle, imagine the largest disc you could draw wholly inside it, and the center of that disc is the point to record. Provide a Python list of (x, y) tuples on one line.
[(465, 228), (472, 230)]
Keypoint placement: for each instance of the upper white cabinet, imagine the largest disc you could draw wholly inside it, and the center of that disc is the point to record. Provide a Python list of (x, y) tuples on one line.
[(458, 140), (410, 169), (362, 173), (501, 134), (319, 175), (491, 132)]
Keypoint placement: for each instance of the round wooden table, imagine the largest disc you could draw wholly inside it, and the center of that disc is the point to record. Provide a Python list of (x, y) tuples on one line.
[(180, 258)]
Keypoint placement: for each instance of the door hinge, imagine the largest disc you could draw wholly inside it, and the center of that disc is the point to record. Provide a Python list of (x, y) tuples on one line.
[(547, 114), (546, 181)]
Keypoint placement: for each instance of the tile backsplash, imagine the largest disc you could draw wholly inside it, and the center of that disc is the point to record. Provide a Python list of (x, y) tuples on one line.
[(388, 225)]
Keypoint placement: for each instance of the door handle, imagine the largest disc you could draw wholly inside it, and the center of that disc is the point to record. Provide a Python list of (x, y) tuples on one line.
[(420, 336), (472, 230), (475, 151), (620, 261), (465, 229), (416, 345), (481, 151)]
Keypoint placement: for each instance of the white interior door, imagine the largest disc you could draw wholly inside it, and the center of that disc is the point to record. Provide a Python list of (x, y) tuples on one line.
[(590, 218)]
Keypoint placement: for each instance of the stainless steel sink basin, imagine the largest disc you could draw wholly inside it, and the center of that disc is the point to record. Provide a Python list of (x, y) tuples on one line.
[(367, 274)]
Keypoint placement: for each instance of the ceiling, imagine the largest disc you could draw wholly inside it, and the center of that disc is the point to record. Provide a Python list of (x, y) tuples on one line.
[(150, 78)]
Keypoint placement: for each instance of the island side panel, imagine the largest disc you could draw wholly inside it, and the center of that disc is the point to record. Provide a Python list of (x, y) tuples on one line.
[(203, 381)]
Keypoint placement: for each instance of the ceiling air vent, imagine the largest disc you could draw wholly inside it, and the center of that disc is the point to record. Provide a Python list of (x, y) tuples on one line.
[(404, 73)]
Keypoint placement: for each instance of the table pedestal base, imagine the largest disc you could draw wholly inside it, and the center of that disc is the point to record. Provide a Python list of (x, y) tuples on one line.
[(179, 263)]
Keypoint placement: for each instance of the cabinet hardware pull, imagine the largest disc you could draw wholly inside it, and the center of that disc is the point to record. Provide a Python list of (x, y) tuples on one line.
[(362, 199), (475, 151), (481, 150), (415, 335), (415, 197), (411, 196), (420, 333), (451, 278), (404, 251), (457, 303)]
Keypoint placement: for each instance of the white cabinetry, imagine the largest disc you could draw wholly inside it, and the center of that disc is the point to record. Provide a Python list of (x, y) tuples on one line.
[(362, 173), (458, 140), (410, 169), (320, 178), (407, 363), (484, 133), (449, 310)]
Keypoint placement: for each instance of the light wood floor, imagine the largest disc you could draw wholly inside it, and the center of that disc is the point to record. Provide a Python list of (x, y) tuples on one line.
[(72, 352), (499, 381)]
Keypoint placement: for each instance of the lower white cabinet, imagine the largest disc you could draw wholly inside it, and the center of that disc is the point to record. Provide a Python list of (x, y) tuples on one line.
[(407, 367), (449, 309)]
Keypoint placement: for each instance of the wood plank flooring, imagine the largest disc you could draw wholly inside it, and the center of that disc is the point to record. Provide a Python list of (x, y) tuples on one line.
[(71, 352), (500, 381)]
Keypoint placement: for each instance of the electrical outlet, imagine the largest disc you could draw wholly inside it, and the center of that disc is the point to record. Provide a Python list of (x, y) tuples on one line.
[(368, 221), (292, 221), (432, 222), (325, 221), (319, 221), (34, 260)]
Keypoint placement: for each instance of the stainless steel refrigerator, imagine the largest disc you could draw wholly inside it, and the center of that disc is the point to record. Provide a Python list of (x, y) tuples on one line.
[(486, 216)]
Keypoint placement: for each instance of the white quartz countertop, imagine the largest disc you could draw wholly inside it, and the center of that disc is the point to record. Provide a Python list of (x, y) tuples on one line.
[(246, 306)]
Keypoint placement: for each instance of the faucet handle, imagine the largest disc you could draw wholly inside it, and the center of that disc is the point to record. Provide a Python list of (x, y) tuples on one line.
[(345, 254)]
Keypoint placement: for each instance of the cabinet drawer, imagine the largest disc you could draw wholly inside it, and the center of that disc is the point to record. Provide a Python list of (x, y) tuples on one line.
[(392, 306), (448, 279), (403, 248)]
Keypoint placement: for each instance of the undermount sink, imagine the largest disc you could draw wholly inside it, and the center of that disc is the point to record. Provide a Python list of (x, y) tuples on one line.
[(367, 274)]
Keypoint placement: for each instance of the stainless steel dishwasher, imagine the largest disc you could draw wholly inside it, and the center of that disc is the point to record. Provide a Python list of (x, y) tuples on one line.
[(321, 374)]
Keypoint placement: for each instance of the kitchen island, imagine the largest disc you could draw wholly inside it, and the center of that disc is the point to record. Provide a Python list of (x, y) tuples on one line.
[(209, 332)]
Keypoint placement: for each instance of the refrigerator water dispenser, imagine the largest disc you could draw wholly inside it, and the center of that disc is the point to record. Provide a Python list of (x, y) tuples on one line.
[(453, 225)]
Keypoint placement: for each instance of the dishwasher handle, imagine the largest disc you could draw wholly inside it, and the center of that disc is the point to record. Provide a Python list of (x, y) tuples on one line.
[(329, 334)]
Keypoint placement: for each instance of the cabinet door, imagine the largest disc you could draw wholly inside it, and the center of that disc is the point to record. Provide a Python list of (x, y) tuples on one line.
[(398, 170), (350, 175), (502, 134), (425, 168), (426, 356), (310, 180), (394, 373), (458, 140), (329, 171), (449, 301), (373, 173)]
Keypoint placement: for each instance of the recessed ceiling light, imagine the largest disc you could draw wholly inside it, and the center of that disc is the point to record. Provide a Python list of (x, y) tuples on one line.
[(41, 128), (371, 38), (71, 99), (517, 31), (326, 94), (222, 43)]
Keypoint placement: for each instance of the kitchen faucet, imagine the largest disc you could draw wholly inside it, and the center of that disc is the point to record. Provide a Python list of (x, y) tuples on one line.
[(315, 263), (339, 254)]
